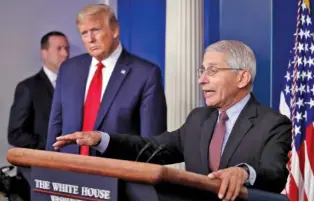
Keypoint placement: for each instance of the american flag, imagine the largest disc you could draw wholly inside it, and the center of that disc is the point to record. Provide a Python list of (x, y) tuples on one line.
[(297, 102)]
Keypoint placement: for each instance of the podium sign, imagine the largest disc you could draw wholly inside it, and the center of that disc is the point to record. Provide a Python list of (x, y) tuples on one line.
[(56, 185)]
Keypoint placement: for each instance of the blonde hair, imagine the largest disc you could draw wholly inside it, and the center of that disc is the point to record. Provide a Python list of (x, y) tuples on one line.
[(95, 10)]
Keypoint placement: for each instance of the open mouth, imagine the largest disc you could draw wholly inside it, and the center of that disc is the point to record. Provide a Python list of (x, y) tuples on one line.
[(208, 92)]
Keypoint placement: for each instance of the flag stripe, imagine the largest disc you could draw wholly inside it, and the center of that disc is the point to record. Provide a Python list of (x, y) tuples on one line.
[(297, 103), (310, 146)]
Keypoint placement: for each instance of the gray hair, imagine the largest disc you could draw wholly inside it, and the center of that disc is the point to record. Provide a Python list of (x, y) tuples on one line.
[(239, 55), (97, 9)]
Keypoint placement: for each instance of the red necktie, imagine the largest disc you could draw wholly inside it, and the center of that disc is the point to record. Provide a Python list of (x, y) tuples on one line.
[(92, 104), (216, 142)]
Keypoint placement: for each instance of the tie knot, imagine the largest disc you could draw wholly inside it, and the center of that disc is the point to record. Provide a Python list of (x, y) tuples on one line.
[(100, 65), (223, 116)]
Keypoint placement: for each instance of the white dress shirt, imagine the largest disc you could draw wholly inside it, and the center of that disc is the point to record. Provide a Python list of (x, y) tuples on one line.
[(51, 76), (109, 63)]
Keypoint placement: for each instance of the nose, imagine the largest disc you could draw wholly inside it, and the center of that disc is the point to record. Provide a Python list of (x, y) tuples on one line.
[(90, 37), (202, 79)]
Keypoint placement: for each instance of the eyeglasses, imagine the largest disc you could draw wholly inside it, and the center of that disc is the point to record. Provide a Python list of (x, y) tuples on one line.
[(210, 71)]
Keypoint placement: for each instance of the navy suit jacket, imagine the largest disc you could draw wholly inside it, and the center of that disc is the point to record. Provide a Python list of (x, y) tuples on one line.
[(133, 102)]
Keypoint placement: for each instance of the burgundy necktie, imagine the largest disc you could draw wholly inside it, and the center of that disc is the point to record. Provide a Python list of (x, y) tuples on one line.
[(216, 142), (92, 104)]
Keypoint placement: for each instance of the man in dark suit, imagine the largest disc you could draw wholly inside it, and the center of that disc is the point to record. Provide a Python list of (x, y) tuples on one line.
[(108, 89), (235, 139), (29, 115)]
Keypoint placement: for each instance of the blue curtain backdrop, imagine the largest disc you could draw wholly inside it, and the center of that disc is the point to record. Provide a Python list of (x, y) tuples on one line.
[(143, 28), (265, 25)]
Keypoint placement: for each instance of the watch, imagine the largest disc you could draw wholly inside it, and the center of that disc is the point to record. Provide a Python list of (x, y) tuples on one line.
[(246, 168)]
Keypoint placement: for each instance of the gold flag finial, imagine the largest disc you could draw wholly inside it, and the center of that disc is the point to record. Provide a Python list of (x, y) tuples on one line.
[(307, 3)]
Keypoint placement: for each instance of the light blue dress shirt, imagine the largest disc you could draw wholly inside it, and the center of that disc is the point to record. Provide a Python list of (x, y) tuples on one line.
[(233, 113)]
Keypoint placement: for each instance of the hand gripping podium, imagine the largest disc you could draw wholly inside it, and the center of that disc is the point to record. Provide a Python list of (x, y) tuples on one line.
[(61, 176)]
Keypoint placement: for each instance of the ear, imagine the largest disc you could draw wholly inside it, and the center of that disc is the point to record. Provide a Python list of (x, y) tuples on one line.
[(244, 79), (116, 31), (43, 53)]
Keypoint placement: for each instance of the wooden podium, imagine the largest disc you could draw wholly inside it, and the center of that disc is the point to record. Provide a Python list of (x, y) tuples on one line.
[(129, 180)]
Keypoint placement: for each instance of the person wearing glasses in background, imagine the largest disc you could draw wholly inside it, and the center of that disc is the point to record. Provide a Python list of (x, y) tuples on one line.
[(234, 138)]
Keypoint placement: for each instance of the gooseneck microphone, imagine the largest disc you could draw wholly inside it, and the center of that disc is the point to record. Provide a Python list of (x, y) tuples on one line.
[(147, 145), (159, 149)]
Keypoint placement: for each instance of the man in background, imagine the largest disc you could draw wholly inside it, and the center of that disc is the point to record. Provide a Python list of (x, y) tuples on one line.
[(108, 89), (29, 115)]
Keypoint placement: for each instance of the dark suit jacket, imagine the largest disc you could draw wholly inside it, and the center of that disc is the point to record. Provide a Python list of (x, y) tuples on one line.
[(261, 137), (133, 102), (29, 115)]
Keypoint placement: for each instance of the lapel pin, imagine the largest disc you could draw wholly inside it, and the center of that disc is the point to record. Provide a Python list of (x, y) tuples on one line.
[(123, 71)]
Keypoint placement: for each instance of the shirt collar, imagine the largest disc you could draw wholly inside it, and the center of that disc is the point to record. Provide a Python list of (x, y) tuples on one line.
[(234, 111), (52, 76), (111, 60)]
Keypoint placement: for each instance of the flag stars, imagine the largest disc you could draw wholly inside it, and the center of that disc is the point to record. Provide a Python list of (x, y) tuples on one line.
[(303, 75), (288, 76), (300, 47), (311, 103), (300, 61), (298, 88), (300, 102), (312, 48), (304, 61), (301, 33), (287, 90), (297, 130), (309, 75), (312, 90), (306, 47), (310, 62), (308, 20), (298, 117), (302, 19), (305, 116), (302, 89), (307, 34)]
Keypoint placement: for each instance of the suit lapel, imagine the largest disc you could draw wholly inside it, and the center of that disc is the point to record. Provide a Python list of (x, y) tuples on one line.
[(206, 135), (119, 74), (79, 85), (47, 82), (240, 129)]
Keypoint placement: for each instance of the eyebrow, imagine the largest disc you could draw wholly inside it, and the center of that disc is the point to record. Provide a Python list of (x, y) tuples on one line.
[(209, 64)]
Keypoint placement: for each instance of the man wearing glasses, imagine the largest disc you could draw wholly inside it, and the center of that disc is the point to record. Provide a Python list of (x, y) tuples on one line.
[(235, 138)]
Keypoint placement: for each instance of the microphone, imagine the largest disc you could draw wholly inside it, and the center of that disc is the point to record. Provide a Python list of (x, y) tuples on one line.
[(148, 144), (160, 148)]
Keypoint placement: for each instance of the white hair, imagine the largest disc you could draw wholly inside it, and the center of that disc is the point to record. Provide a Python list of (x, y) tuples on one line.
[(239, 55)]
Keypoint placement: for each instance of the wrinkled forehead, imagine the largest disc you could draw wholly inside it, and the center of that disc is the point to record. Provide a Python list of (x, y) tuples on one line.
[(214, 58)]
